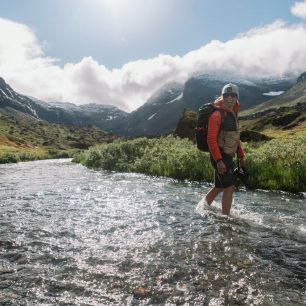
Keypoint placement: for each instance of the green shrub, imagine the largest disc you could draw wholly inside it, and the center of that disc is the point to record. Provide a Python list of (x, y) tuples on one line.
[(169, 156), (279, 164), (26, 156), (6, 158), (275, 164)]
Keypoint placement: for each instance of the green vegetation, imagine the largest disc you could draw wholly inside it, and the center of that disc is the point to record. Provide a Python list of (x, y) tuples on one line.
[(24, 138), (277, 164), (38, 154), (171, 157)]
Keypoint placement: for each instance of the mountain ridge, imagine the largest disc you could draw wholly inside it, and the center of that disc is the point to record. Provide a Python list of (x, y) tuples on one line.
[(158, 115), (294, 95)]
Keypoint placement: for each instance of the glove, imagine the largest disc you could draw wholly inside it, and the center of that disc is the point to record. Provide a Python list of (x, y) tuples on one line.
[(242, 175)]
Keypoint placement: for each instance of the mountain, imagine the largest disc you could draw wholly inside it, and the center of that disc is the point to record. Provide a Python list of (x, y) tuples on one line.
[(281, 118), (294, 95), (287, 111), (19, 130), (26, 122), (205, 88), (11, 99), (292, 118), (102, 116), (158, 115)]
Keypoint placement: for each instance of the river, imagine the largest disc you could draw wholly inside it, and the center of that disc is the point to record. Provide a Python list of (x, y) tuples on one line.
[(75, 236)]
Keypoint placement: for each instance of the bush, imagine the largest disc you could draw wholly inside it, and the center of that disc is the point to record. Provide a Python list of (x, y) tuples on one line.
[(275, 164), (6, 158), (279, 164), (169, 156)]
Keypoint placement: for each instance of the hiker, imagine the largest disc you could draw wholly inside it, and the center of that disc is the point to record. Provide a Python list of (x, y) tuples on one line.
[(223, 140)]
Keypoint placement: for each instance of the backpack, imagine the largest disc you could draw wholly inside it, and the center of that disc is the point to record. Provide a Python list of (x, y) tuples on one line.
[(202, 126)]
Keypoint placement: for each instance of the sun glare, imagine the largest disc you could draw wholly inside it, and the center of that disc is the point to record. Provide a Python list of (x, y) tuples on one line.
[(114, 5), (130, 20)]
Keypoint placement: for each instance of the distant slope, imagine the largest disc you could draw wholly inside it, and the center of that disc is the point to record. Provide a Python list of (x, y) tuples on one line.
[(158, 115), (102, 116), (205, 88), (272, 121), (21, 130), (296, 94), (281, 118)]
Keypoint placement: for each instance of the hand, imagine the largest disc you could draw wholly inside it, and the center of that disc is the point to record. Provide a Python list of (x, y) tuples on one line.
[(221, 167)]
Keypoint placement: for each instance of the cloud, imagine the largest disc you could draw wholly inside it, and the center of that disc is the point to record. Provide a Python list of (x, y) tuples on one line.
[(274, 50), (299, 9)]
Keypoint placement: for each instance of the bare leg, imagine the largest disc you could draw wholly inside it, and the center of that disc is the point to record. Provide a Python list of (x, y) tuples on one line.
[(227, 199), (212, 193)]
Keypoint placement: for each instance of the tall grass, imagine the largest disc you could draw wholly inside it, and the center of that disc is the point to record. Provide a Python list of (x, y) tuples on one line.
[(21, 156), (169, 156), (279, 164)]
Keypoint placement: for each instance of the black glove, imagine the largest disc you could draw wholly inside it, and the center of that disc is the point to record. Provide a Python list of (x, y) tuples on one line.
[(242, 175)]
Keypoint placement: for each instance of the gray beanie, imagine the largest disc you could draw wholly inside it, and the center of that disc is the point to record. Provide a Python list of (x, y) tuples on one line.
[(230, 88)]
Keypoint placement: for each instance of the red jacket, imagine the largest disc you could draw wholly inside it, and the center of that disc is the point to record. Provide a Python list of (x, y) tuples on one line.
[(214, 124)]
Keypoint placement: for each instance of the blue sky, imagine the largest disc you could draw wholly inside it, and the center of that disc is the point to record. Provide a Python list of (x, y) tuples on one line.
[(120, 51)]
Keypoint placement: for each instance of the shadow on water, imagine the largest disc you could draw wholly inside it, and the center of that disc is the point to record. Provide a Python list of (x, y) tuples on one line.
[(73, 236)]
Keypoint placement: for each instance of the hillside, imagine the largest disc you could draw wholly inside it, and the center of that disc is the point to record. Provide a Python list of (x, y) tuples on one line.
[(293, 96), (205, 88), (284, 114), (276, 119), (19, 131), (158, 115), (272, 122)]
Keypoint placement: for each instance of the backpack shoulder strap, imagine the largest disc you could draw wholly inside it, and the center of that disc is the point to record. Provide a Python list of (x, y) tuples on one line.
[(222, 113)]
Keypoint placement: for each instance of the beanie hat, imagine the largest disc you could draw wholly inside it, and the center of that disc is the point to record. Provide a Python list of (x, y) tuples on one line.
[(230, 88)]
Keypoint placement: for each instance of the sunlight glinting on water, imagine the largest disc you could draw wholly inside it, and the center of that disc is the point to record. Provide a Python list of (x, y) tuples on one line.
[(78, 236)]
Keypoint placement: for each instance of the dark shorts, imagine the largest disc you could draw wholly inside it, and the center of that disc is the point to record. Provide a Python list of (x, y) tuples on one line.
[(228, 178)]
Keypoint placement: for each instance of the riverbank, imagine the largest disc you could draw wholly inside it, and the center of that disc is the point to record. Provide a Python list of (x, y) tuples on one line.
[(23, 138), (9, 154), (278, 164)]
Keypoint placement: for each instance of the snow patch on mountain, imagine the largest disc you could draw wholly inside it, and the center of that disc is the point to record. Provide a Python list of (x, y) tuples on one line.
[(151, 116), (3, 93), (273, 93), (176, 99)]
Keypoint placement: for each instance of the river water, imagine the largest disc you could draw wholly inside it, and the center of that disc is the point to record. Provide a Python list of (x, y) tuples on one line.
[(75, 236)]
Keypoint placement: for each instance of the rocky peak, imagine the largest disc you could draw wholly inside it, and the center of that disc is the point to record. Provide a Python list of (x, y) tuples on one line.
[(302, 77), (2, 83)]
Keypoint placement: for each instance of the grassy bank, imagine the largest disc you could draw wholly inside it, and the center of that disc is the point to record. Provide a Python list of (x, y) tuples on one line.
[(171, 157), (279, 164), (23, 138), (15, 155)]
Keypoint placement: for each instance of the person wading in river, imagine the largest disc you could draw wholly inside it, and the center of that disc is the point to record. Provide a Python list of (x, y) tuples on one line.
[(223, 140)]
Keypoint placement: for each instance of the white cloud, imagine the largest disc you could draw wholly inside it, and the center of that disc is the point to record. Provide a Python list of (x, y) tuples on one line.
[(299, 9), (273, 50)]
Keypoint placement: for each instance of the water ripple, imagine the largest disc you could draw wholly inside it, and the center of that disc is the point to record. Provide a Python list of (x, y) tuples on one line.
[(73, 236)]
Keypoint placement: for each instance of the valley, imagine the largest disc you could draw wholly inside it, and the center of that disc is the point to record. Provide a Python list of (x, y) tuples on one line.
[(38, 128)]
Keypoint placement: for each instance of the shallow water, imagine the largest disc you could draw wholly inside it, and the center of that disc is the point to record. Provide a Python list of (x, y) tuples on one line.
[(74, 236)]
